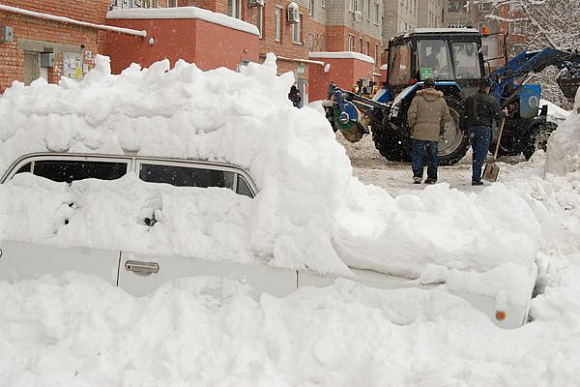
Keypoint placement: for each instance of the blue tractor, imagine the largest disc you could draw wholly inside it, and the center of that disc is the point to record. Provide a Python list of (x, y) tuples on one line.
[(455, 59)]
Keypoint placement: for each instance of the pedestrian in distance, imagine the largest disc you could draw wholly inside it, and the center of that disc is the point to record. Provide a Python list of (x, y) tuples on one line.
[(295, 97), (427, 117), (481, 112)]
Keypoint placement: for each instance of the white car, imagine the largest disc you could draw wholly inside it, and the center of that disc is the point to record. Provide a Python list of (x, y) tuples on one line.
[(139, 273)]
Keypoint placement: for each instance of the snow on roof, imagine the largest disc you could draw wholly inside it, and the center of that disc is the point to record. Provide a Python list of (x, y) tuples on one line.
[(310, 211), (440, 31), (184, 13), (341, 55)]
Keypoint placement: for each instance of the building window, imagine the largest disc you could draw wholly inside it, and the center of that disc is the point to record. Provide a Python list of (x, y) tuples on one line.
[(376, 15), (278, 21), (172, 3), (361, 45), (517, 27), (376, 54), (369, 48), (357, 5), (368, 9), (260, 21), (350, 43), (484, 7), (351, 5), (235, 8), (323, 3), (456, 5), (297, 31), (311, 8)]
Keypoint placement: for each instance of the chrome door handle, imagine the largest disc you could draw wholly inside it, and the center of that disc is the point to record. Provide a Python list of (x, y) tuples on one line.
[(142, 268)]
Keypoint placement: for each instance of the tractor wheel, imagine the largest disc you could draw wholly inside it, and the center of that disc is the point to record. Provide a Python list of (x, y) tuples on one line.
[(538, 139), (452, 145), (386, 141)]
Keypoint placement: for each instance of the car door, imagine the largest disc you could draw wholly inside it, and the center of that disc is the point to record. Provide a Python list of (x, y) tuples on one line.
[(28, 260), (140, 274), (25, 260)]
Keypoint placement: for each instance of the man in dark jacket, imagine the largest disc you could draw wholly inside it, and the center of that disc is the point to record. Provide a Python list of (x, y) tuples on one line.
[(427, 117), (294, 96), (481, 111)]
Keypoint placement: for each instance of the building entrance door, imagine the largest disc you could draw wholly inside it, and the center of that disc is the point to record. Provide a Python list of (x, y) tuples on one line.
[(31, 66)]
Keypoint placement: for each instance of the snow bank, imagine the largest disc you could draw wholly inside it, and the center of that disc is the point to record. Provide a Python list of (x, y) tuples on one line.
[(564, 144), (310, 213)]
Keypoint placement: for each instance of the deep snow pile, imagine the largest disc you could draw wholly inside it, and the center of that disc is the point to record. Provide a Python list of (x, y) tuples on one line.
[(77, 330), (310, 211), (564, 144)]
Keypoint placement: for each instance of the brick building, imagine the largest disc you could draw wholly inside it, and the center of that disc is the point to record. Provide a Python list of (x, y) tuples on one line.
[(54, 37), (319, 26), (49, 48)]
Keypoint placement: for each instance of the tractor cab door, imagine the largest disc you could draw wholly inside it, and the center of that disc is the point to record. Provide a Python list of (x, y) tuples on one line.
[(399, 69), (493, 48)]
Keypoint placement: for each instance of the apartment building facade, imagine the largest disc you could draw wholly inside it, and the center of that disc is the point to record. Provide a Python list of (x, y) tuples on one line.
[(404, 15)]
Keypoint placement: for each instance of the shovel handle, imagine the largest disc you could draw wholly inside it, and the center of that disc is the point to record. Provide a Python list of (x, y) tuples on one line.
[(498, 138)]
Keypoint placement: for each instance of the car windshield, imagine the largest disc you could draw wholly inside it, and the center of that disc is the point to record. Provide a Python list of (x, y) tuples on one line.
[(438, 61)]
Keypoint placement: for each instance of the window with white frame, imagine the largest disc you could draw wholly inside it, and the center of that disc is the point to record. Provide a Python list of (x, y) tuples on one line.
[(376, 15), (297, 31), (517, 27), (278, 23), (350, 43), (172, 4), (368, 9), (323, 3), (235, 8), (351, 5), (311, 8), (376, 54), (260, 21), (357, 5)]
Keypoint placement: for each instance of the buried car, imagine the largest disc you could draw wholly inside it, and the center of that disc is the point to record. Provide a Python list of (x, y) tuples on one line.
[(161, 173)]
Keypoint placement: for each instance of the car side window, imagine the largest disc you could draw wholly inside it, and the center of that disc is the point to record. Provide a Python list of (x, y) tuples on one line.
[(71, 170), (243, 188), (25, 168), (185, 176)]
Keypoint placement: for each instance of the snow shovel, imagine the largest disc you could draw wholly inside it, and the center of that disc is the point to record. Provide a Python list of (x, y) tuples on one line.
[(491, 170)]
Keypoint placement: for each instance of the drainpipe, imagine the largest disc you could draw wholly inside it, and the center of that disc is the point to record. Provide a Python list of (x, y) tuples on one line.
[(63, 19)]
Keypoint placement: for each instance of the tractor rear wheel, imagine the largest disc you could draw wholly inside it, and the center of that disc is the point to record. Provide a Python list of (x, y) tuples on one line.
[(453, 145)]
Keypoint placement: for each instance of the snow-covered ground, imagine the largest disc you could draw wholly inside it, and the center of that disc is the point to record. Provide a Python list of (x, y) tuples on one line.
[(76, 330)]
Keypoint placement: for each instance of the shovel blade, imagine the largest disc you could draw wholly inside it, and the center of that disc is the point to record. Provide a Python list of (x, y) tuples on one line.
[(490, 172)]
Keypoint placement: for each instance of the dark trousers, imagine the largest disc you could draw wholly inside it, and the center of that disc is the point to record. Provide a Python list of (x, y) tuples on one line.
[(479, 137), (420, 151)]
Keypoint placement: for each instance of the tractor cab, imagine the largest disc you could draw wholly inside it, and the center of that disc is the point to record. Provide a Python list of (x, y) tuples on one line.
[(444, 54)]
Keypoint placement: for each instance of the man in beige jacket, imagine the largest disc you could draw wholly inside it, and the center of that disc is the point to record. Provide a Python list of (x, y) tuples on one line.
[(427, 117)]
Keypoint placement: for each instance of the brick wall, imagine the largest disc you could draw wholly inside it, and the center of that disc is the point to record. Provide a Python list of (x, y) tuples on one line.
[(40, 35)]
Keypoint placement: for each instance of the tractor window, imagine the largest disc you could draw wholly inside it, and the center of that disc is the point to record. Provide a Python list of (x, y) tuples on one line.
[(400, 65), (466, 60), (434, 60)]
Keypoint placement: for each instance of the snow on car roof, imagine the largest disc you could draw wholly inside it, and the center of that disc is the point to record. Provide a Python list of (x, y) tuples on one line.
[(310, 213)]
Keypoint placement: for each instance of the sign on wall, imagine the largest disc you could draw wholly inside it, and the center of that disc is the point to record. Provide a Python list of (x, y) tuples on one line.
[(72, 65)]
